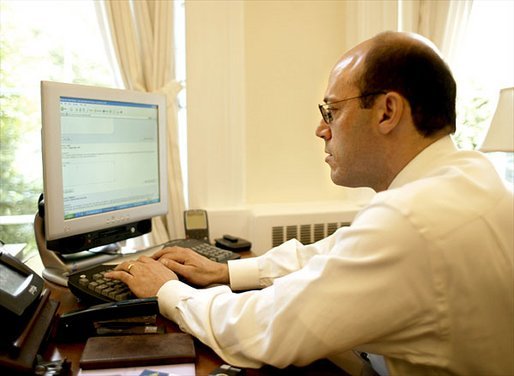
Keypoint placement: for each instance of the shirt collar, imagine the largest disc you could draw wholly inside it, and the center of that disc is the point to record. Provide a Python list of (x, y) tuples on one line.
[(422, 162)]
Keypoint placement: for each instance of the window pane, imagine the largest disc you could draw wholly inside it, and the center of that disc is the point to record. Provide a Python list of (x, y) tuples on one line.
[(484, 67), (39, 40)]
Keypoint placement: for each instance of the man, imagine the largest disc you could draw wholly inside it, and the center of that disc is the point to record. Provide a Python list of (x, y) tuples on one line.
[(422, 279)]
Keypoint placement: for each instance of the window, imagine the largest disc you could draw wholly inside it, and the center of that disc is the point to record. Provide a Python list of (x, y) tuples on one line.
[(39, 40), (483, 68)]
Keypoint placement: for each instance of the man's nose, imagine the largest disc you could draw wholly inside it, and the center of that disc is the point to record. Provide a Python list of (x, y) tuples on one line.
[(323, 131)]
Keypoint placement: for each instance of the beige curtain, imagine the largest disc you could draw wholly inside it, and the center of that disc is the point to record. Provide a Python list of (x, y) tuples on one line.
[(442, 21), (142, 36)]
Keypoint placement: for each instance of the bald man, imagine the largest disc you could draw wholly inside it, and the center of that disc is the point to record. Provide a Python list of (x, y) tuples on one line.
[(422, 280)]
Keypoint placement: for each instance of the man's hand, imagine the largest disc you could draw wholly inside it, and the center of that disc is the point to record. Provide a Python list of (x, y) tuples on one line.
[(195, 268), (144, 277)]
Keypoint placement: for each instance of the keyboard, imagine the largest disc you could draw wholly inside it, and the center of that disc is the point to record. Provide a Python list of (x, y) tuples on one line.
[(205, 249), (91, 287)]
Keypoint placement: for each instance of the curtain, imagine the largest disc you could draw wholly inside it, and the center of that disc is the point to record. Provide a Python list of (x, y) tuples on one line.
[(442, 21), (141, 32)]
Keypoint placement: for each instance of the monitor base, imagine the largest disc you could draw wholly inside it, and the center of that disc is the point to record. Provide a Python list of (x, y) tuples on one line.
[(58, 267)]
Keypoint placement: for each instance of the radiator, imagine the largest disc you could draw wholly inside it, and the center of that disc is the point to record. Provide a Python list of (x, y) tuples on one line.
[(272, 225), (268, 225)]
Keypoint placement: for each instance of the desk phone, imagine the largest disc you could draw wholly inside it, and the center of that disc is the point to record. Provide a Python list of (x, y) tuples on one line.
[(90, 286)]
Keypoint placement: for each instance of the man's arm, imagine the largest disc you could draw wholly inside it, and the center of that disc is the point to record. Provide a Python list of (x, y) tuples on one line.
[(289, 257), (193, 267), (322, 310), (327, 307), (244, 274)]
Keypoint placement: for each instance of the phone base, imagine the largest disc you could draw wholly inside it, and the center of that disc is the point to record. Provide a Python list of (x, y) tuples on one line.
[(23, 362)]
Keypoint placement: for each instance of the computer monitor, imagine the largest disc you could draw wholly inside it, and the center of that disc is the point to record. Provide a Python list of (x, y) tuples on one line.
[(104, 164)]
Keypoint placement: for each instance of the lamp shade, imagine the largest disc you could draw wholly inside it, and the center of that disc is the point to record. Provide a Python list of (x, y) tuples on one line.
[(500, 136)]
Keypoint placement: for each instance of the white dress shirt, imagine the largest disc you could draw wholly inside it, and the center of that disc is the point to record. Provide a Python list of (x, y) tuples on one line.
[(423, 276)]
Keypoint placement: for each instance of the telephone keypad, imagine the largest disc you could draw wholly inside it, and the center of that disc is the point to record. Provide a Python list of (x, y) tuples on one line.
[(95, 283), (112, 288)]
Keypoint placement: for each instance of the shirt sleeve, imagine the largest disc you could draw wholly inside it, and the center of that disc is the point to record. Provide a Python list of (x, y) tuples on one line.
[(359, 286), (260, 272)]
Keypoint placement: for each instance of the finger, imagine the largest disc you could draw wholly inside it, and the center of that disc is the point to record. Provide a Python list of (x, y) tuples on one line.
[(123, 265), (174, 258), (157, 254), (171, 264), (161, 252), (170, 251), (121, 275), (145, 259)]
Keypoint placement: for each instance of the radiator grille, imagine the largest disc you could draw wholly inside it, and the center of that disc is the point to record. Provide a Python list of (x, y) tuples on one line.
[(306, 233), (277, 235)]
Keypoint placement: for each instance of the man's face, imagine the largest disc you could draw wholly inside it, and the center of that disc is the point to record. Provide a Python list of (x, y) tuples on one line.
[(350, 140)]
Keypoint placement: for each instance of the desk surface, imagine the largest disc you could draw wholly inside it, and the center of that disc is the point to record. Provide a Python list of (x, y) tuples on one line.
[(206, 359)]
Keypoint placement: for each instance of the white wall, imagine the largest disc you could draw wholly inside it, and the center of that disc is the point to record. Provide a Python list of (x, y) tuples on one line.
[(215, 103), (256, 71), (290, 47)]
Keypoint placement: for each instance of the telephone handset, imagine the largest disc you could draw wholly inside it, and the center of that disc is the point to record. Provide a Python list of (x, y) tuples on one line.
[(196, 225), (83, 323)]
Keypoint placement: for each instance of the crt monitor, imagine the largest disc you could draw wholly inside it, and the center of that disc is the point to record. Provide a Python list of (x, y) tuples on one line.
[(104, 164)]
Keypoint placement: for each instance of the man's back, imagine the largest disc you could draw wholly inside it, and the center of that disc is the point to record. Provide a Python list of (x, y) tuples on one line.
[(465, 214)]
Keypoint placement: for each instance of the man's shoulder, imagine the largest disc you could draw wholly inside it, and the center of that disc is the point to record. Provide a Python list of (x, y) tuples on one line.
[(453, 194)]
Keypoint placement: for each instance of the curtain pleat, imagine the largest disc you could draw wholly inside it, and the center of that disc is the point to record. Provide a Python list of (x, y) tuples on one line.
[(442, 21), (142, 35)]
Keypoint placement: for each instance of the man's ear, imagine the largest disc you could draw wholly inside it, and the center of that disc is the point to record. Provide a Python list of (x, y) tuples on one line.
[(392, 107)]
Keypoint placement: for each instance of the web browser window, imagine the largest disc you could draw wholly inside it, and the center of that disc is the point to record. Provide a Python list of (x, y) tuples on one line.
[(110, 158)]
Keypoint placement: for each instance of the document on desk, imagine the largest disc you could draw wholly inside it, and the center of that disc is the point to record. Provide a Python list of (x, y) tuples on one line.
[(185, 369)]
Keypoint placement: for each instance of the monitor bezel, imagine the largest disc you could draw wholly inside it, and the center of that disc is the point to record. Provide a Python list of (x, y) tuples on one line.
[(56, 227)]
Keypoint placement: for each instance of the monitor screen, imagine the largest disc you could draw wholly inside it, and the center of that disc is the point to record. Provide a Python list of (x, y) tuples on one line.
[(104, 164)]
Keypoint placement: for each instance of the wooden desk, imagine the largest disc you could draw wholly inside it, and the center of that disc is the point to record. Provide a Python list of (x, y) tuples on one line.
[(206, 359)]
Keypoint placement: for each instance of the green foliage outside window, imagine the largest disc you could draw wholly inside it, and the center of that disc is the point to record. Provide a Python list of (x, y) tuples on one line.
[(34, 46), (18, 193), (473, 116)]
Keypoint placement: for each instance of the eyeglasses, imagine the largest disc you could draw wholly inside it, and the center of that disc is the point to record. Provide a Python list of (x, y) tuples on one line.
[(326, 111)]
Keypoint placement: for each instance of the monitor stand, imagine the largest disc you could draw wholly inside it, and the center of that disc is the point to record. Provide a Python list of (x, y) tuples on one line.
[(58, 267)]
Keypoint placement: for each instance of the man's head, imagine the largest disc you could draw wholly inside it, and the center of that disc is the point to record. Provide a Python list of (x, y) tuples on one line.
[(411, 66), (405, 101)]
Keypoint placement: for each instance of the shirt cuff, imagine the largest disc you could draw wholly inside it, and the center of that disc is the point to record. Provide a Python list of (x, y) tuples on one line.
[(170, 295), (244, 274)]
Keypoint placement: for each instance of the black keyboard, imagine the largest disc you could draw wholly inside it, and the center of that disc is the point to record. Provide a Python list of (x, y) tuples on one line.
[(207, 250), (91, 287)]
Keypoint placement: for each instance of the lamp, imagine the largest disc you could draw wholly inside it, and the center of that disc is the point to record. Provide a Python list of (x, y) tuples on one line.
[(500, 136), (499, 141)]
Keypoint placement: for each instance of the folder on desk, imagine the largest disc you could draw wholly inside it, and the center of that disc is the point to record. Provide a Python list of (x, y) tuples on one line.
[(137, 350)]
